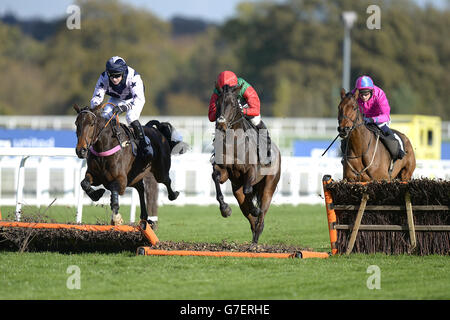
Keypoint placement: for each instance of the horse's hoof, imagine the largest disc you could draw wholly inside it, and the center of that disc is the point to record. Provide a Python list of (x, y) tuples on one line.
[(255, 212), (97, 194), (225, 211), (116, 219), (174, 196), (248, 190)]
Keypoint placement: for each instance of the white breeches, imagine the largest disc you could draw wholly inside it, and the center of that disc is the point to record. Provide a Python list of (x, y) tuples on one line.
[(255, 120)]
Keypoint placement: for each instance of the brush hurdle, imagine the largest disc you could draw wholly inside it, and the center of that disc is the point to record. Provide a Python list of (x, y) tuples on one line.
[(391, 217)]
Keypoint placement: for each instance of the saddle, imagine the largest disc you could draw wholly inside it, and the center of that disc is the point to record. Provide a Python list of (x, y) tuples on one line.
[(388, 140), (132, 138)]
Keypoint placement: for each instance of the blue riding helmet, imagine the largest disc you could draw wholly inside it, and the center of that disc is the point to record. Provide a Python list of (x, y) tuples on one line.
[(116, 65)]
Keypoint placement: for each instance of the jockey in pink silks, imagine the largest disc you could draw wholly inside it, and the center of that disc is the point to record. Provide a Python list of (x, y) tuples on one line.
[(375, 107)]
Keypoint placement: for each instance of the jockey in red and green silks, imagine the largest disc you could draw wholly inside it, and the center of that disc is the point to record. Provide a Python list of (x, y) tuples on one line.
[(248, 99)]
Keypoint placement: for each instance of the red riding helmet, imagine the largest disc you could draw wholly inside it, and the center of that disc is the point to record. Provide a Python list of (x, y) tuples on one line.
[(227, 78)]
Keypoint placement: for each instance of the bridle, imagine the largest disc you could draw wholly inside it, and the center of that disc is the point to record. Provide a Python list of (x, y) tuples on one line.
[(356, 124), (237, 114), (95, 135)]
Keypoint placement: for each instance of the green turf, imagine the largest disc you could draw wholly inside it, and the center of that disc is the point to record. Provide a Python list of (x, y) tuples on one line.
[(126, 276)]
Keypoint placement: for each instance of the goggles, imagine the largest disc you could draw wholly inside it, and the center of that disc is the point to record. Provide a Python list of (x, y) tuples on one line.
[(114, 75)]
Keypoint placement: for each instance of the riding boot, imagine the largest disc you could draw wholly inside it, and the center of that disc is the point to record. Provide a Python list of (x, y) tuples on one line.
[(145, 146), (389, 134), (267, 160)]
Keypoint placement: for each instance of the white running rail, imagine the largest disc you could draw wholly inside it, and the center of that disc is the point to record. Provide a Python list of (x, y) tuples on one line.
[(38, 176)]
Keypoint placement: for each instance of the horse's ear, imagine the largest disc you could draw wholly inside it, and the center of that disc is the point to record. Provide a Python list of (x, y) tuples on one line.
[(355, 95), (343, 93), (77, 108)]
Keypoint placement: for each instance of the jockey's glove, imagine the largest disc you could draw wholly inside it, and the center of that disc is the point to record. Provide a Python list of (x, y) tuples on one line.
[(122, 107), (368, 120), (243, 106)]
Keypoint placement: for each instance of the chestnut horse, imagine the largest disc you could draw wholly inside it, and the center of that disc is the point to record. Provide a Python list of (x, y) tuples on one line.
[(109, 148), (253, 184), (365, 156)]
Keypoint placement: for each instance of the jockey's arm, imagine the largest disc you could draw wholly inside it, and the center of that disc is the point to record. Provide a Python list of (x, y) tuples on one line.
[(253, 102), (137, 90), (212, 107), (99, 91), (384, 108)]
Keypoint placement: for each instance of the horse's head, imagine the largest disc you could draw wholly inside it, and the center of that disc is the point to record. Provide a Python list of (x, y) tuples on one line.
[(86, 129), (227, 107), (348, 113)]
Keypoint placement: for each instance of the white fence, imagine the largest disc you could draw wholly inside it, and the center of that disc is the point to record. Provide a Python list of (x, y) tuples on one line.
[(38, 176), (198, 131)]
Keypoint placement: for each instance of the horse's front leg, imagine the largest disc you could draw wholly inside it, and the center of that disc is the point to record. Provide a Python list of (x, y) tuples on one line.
[(116, 188), (86, 185), (219, 176)]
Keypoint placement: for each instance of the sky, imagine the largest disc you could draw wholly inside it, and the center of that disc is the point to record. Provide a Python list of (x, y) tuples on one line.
[(210, 10)]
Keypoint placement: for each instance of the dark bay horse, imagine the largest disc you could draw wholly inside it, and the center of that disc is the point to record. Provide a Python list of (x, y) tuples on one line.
[(112, 160), (365, 156), (235, 158)]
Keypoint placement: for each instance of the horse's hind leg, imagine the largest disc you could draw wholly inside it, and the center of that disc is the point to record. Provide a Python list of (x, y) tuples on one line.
[(246, 205), (266, 192), (139, 186), (86, 185), (172, 194), (220, 175)]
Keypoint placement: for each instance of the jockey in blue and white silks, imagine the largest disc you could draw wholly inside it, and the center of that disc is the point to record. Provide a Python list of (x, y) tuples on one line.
[(126, 90)]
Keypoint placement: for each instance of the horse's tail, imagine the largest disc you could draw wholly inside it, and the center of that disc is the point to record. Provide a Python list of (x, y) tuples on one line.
[(167, 130)]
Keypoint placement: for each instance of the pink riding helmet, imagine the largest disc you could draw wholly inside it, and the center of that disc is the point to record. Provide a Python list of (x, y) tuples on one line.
[(364, 83)]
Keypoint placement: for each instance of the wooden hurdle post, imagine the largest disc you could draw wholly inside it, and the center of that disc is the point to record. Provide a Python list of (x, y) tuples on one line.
[(357, 223)]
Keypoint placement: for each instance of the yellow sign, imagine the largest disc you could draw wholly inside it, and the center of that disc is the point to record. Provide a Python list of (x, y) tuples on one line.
[(424, 132)]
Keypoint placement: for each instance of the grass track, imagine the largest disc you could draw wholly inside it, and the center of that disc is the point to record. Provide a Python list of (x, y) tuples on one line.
[(126, 276)]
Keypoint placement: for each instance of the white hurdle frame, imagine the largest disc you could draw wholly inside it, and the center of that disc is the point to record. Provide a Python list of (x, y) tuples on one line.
[(25, 153)]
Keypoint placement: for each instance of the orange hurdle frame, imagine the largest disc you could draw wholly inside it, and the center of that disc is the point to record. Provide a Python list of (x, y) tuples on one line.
[(331, 214), (148, 251)]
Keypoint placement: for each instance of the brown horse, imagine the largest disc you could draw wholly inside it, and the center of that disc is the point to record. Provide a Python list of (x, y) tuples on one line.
[(365, 156), (251, 182), (112, 162)]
